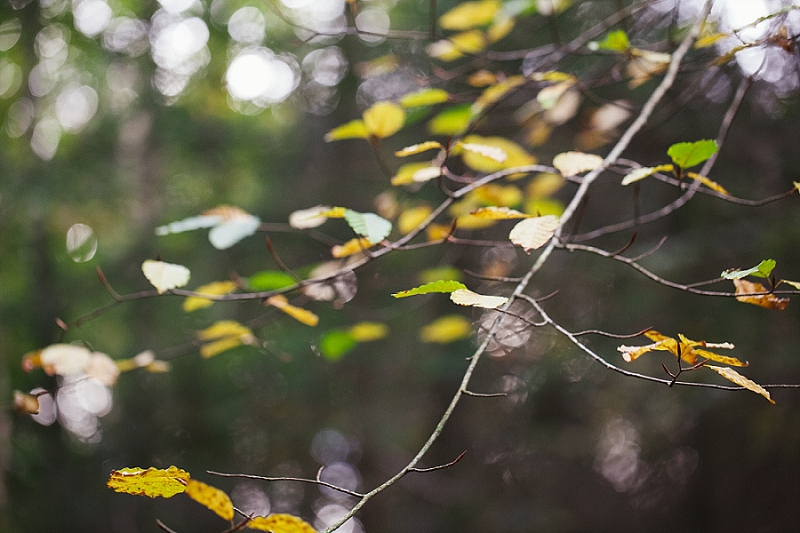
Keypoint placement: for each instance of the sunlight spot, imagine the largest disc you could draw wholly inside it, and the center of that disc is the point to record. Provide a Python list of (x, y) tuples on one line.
[(327, 66), (126, 35), (47, 409), (10, 78), (75, 106), (259, 76), (342, 475), (247, 25), (19, 117), (176, 6), (376, 22), (91, 16), (45, 138), (10, 31)]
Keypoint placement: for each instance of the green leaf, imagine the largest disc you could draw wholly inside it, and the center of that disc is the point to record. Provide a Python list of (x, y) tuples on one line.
[(335, 343), (368, 225), (451, 121), (761, 270), (269, 280), (616, 41), (436, 286), (425, 97), (687, 155)]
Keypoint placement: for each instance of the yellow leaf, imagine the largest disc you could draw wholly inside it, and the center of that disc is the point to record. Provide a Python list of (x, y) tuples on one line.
[(550, 95), (384, 119), (211, 497), (499, 195), (713, 185), (515, 155), (795, 284), (405, 174), (492, 94), (732, 375), (368, 331), (436, 232), (280, 523), (378, 66), (303, 316), (410, 219), (446, 329), (418, 148), (708, 40), (501, 27), (639, 174), (468, 42), (533, 233), (215, 288), (334, 212), (469, 15), (544, 206), (770, 301), (482, 78), (217, 347), (573, 163), (492, 152), (498, 213), (141, 360), (223, 328), (353, 246), (544, 185), (165, 276), (425, 97), (355, 129), (151, 482), (473, 299)]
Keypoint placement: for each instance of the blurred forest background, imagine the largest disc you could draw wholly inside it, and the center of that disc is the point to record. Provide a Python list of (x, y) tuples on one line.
[(123, 115)]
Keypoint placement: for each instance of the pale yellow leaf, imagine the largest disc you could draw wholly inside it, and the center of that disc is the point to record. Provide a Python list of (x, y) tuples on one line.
[(713, 185), (446, 329), (141, 360), (468, 42), (280, 523), (482, 78), (516, 156), (638, 174), (573, 163), (469, 15), (494, 153), (532, 233), (732, 375), (795, 284), (368, 331), (418, 148), (411, 218), (384, 119), (355, 129), (223, 328), (498, 213), (473, 299), (165, 276), (405, 174), (544, 185), (501, 27), (215, 288), (64, 359), (353, 246), (211, 497), (495, 92), (304, 316), (217, 347), (708, 40), (309, 218), (426, 174), (549, 96)]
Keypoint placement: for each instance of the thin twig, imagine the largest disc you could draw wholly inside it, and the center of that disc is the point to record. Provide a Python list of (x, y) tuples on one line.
[(439, 467)]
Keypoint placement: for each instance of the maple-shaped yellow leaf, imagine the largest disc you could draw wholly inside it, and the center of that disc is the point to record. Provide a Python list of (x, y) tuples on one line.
[(734, 376), (751, 290), (215, 288), (280, 523), (303, 316), (384, 119), (211, 497), (151, 482)]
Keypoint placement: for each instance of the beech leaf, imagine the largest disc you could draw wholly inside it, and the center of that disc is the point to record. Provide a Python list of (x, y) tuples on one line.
[(309, 218), (469, 15), (573, 163), (761, 270), (368, 225), (211, 497), (473, 299), (280, 523), (451, 121), (498, 213), (165, 276), (151, 482), (353, 246), (689, 154), (424, 97), (454, 47), (446, 329), (494, 153), (418, 148), (368, 331), (384, 119), (768, 300), (215, 288), (224, 335), (533, 233), (713, 185), (355, 129), (428, 288), (795, 284), (732, 375), (639, 174), (303, 316)]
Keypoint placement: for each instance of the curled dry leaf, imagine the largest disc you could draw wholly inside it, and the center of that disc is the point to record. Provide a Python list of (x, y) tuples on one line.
[(747, 292), (533, 233), (734, 376), (573, 163), (473, 299)]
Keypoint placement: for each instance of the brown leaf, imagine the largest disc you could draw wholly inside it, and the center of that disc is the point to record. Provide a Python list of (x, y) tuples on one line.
[(748, 288)]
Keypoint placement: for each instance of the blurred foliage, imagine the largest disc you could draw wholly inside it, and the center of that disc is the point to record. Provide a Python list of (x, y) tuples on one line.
[(128, 115)]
